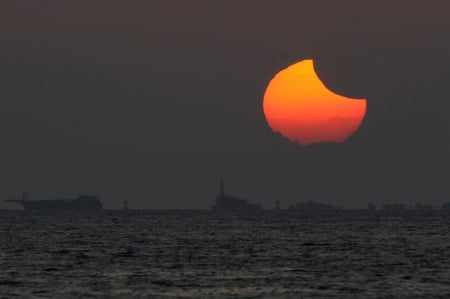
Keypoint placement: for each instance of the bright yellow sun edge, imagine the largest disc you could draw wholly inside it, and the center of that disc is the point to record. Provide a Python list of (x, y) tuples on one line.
[(300, 107)]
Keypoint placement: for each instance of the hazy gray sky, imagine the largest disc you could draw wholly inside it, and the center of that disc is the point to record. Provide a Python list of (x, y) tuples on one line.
[(155, 101)]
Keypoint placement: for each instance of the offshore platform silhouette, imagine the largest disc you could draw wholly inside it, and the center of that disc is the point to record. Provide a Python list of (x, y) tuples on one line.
[(233, 204)]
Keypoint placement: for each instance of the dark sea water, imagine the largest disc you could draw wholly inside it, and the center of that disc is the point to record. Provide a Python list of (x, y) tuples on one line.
[(197, 254)]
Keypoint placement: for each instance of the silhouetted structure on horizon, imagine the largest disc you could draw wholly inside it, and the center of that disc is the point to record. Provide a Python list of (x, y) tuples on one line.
[(233, 204), (313, 208), (423, 209), (371, 207), (393, 209), (277, 205), (446, 207), (82, 202), (419, 209)]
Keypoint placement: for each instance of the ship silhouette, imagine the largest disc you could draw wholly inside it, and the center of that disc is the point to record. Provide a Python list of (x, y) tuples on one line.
[(233, 204), (83, 202)]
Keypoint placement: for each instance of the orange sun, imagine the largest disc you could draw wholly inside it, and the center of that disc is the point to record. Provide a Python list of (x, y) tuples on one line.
[(299, 106)]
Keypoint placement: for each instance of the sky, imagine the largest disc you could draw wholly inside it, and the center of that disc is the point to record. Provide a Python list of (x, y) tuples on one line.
[(156, 101)]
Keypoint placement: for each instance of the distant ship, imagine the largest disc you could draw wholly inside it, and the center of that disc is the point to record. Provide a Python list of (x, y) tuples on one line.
[(81, 203), (233, 204)]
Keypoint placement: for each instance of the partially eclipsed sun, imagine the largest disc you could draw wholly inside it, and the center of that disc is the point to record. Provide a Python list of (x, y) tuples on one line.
[(299, 106)]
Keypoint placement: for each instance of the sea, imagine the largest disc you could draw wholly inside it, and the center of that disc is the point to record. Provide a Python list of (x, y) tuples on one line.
[(200, 254)]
